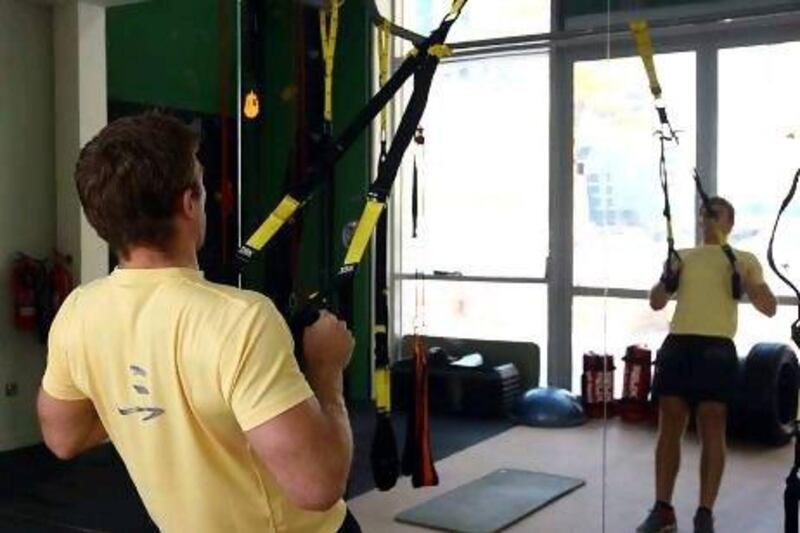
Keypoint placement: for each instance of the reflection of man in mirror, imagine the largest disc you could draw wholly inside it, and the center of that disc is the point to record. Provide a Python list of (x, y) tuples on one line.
[(697, 365)]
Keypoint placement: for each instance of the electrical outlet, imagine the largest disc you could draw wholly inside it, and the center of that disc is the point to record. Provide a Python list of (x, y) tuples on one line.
[(12, 389)]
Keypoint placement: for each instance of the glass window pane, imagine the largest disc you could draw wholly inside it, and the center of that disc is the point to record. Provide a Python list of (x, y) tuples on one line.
[(475, 310), (755, 327), (616, 323), (619, 231), (483, 174), (759, 147), (611, 325), (479, 20)]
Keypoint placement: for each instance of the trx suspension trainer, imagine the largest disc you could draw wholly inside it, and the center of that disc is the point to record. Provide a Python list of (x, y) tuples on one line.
[(791, 495), (421, 64), (666, 133)]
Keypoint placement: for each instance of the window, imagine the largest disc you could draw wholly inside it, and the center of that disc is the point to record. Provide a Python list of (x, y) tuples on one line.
[(759, 144), (485, 310), (482, 176), (609, 325), (619, 230), (483, 185), (480, 20)]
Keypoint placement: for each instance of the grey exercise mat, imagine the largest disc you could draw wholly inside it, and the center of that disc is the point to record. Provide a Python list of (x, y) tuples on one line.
[(490, 503)]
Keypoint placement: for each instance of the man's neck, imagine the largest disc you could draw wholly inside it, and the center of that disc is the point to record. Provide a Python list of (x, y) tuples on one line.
[(146, 258)]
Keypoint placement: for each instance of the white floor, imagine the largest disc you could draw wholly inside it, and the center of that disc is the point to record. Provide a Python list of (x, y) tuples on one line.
[(750, 501)]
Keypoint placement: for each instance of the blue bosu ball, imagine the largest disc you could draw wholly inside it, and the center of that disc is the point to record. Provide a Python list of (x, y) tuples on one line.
[(548, 407)]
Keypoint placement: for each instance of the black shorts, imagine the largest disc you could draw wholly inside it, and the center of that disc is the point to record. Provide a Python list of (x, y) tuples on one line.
[(697, 368)]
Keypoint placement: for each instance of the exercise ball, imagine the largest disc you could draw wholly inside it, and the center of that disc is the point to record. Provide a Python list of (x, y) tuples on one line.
[(548, 407)]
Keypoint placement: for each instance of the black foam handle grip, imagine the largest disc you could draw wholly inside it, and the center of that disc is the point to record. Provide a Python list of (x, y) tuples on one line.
[(298, 322), (736, 285), (384, 455), (796, 333), (671, 278)]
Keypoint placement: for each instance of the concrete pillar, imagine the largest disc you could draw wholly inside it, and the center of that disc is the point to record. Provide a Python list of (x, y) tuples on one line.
[(79, 46)]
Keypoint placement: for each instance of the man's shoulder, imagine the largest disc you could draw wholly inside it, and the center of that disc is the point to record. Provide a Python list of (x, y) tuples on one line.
[(234, 297), (710, 250), (744, 255)]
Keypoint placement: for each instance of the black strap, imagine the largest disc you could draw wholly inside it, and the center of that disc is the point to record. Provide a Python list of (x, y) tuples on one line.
[(390, 165), (414, 200), (791, 494), (771, 258), (736, 282), (423, 66), (669, 278)]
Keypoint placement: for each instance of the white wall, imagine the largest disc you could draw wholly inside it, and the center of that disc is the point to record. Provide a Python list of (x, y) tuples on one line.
[(27, 196)]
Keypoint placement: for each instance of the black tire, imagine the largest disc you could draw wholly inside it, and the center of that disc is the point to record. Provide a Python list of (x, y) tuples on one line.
[(767, 406)]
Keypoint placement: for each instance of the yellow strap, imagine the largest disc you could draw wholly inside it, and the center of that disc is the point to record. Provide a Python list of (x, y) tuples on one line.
[(457, 6), (440, 50), (384, 34), (382, 389), (366, 225), (641, 34), (329, 30), (273, 223)]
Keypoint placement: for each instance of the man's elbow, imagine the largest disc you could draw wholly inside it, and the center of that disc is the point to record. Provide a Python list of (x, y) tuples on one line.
[(60, 448), (657, 304), (766, 302), (319, 499)]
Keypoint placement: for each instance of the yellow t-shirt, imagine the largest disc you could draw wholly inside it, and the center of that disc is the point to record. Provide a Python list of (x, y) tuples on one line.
[(705, 305), (178, 368)]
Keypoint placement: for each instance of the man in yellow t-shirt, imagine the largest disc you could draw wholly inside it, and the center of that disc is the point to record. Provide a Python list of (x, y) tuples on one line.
[(194, 383), (697, 365)]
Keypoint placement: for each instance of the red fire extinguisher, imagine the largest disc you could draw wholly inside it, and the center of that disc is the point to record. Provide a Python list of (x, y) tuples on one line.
[(23, 291), (61, 281), (597, 385), (635, 406)]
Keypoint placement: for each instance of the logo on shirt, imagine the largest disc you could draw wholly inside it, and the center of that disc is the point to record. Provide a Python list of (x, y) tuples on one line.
[(148, 412)]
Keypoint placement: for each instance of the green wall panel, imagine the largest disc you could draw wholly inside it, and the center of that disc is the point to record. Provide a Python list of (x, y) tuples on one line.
[(167, 53)]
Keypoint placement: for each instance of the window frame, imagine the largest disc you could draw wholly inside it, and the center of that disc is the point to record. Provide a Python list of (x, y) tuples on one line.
[(565, 48)]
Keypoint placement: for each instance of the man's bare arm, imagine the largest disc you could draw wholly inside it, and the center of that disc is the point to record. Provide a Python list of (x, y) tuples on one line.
[(69, 427)]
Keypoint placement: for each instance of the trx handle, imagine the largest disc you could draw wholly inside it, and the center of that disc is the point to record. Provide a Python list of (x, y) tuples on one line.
[(771, 260)]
